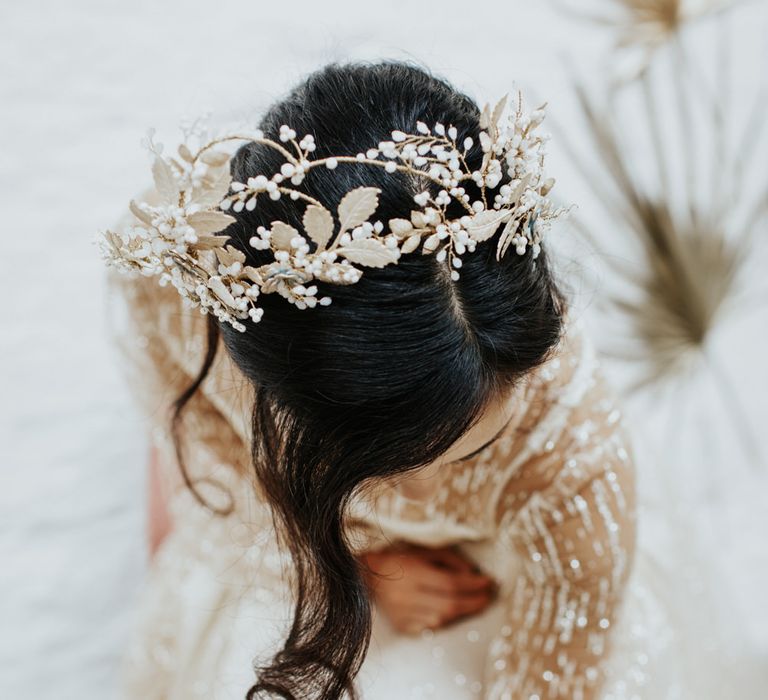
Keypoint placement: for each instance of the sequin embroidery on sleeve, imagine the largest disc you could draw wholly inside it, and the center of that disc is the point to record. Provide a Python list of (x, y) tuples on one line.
[(567, 515)]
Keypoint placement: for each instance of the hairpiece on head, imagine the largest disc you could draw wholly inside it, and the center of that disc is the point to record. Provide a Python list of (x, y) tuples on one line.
[(176, 239)]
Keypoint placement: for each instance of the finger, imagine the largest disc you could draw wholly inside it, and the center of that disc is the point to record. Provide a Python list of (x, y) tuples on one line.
[(445, 607), (462, 606), (422, 603), (452, 560), (455, 583)]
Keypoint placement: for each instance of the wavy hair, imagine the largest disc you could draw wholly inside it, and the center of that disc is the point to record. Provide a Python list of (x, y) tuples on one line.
[(386, 378)]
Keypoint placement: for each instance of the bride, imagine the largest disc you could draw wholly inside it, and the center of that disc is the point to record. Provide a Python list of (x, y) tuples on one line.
[(394, 471)]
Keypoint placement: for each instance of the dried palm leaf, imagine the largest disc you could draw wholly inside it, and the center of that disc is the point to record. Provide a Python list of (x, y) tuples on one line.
[(694, 222), (645, 25)]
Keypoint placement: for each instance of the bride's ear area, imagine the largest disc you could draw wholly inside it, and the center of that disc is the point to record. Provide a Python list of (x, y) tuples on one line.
[(488, 428)]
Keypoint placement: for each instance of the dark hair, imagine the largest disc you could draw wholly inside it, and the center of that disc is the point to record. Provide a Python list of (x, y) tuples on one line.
[(387, 377)]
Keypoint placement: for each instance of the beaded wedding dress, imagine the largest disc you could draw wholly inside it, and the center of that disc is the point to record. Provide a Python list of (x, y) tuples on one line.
[(549, 510)]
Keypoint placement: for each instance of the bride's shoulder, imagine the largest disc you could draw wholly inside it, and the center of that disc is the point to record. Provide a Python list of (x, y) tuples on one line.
[(572, 430), (566, 372)]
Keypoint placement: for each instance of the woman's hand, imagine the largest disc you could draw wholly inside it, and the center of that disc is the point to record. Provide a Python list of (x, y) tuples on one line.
[(421, 588)]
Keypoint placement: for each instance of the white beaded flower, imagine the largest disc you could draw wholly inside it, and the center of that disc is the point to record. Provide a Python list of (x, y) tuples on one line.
[(175, 239)]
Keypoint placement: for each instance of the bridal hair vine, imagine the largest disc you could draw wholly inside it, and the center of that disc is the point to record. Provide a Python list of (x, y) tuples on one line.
[(177, 239)]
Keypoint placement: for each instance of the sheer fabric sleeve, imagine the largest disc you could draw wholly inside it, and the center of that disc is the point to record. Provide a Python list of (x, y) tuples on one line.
[(567, 514), (161, 345)]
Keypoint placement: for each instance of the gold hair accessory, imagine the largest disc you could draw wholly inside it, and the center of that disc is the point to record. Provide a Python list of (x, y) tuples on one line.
[(177, 239)]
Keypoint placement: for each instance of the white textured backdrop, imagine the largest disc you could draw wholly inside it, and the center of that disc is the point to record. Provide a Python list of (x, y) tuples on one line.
[(79, 84)]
